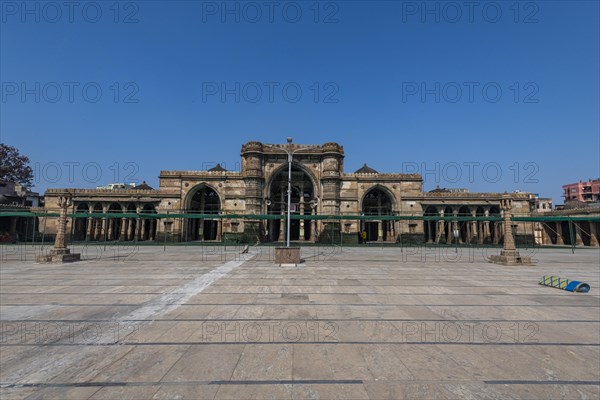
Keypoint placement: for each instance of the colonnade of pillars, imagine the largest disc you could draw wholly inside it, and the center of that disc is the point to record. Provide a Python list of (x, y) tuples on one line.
[(205, 229), (115, 228), (579, 233), (124, 229), (19, 228), (387, 231), (472, 232)]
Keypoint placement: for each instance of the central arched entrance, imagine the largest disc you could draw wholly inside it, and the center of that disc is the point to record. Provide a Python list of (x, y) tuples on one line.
[(302, 203), (377, 202), (205, 200)]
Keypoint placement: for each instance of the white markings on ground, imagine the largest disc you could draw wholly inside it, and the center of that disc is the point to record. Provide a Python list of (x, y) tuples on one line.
[(49, 366), (173, 300)]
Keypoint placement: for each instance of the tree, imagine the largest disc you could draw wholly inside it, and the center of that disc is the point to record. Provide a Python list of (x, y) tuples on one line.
[(14, 167)]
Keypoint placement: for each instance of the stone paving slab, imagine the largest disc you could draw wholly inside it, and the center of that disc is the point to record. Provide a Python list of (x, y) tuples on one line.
[(349, 323)]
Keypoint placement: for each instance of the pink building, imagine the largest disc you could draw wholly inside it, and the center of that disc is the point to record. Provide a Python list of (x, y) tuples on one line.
[(583, 191)]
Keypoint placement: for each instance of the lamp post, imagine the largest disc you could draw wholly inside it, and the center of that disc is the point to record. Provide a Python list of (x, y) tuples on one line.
[(290, 153), (289, 191), (287, 254)]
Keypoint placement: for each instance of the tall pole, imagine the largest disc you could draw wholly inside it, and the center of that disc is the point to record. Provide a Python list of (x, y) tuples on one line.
[(289, 190)]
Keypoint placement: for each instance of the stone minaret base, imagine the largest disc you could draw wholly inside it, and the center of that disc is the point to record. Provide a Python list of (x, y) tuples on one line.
[(510, 257), (58, 256)]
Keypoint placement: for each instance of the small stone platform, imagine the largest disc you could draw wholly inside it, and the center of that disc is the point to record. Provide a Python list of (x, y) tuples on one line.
[(287, 255)]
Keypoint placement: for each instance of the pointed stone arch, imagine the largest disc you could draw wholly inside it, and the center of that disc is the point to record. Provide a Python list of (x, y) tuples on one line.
[(378, 200), (305, 191), (295, 166), (203, 199), (384, 189), (197, 188)]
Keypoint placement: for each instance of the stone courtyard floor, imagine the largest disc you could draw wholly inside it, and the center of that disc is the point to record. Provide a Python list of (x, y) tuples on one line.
[(349, 323)]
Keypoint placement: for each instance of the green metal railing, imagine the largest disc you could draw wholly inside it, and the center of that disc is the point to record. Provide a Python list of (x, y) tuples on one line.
[(181, 215), (328, 217)]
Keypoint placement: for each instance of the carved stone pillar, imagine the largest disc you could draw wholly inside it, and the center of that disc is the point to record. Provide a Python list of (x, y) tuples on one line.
[(90, 229), (545, 236), (60, 253), (143, 230), (103, 229), (509, 241), (151, 222), (130, 226), (282, 226), (454, 227), (219, 230), (577, 234), (559, 234), (201, 224), (496, 233), (270, 228), (593, 234), (13, 227), (428, 225), (111, 224), (98, 227), (440, 229), (122, 235), (313, 225), (63, 203), (389, 231)]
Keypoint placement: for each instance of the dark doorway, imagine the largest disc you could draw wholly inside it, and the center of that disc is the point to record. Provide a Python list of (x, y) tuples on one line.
[(302, 203), (205, 201), (376, 203)]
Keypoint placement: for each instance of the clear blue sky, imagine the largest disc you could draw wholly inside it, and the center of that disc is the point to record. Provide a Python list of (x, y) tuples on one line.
[(370, 62)]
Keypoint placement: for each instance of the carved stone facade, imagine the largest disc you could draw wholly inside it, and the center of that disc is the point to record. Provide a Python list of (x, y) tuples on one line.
[(319, 187)]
